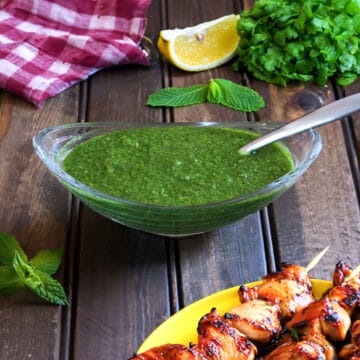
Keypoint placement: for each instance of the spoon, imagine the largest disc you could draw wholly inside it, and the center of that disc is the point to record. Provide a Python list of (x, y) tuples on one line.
[(326, 114)]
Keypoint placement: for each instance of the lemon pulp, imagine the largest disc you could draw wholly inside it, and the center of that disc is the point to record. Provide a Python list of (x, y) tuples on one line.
[(203, 46)]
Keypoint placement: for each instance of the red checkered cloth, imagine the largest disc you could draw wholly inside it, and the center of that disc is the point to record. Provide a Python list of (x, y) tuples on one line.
[(47, 46)]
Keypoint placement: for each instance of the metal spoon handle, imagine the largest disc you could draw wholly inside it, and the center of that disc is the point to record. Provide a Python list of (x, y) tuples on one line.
[(324, 115)]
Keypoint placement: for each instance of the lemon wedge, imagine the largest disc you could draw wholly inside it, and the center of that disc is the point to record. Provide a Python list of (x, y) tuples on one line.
[(203, 46)]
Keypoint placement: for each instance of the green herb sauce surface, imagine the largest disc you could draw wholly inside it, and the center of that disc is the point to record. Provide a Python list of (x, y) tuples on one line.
[(175, 165)]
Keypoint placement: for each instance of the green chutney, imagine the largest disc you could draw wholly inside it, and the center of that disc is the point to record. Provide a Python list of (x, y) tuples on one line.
[(176, 165)]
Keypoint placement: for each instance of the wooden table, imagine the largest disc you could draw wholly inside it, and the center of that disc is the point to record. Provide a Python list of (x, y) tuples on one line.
[(122, 283)]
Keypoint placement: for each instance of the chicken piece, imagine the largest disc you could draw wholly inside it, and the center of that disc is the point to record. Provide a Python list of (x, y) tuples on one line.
[(247, 293), (290, 288), (347, 296), (355, 333), (314, 346), (341, 272), (291, 272), (290, 295), (346, 290), (218, 340), (349, 352), (257, 319), (352, 351), (170, 352), (325, 316)]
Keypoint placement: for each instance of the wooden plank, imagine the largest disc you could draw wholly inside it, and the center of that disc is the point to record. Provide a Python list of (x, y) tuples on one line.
[(123, 290), (35, 210), (321, 209), (356, 125), (231, 255), (188, 13), (352, 131), (227, 257)]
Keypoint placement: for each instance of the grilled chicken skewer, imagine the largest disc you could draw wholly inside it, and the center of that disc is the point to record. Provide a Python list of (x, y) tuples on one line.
[(170, 351), (217, 340), (312, 347), (324, 316), (329, 318), (263, 308), (290, 288), (331, 315), (259, 318)]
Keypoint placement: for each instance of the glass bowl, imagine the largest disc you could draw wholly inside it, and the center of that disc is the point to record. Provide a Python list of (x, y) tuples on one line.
[(53, 144)]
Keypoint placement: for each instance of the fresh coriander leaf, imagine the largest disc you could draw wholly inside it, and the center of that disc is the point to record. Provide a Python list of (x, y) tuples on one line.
[(326, 33), (47, 261), (8, 246), (176, 97), (47, 288), (9, 280), (238, 97), (294, 334), (346, 79)]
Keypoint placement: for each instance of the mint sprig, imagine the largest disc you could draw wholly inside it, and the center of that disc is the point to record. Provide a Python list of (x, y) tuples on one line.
[(217, 91), (18, 271)]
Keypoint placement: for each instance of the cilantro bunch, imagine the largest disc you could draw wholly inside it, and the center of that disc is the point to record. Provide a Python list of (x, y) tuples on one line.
[(306, 40)]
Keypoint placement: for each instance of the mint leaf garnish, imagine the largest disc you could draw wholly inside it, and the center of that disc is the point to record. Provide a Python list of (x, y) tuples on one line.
[(35, 273), (176, 97), (22, 267), (9, 280), (8, 246), (234, 96), (47, 288), (217, 91), (47, 261)]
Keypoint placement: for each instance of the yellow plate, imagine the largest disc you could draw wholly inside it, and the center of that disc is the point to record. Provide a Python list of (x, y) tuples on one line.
[(181, 327)]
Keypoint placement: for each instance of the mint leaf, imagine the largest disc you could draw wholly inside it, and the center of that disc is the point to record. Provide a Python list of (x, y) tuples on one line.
[(18, 271), (47, 261), (9, 280), (39, 282), (176, 97), (21, 267), (234, 96), (47, 288), (8, 246), (218, 91)]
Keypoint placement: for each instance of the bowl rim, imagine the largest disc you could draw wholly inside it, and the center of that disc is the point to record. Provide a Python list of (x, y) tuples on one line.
[(57, 170)]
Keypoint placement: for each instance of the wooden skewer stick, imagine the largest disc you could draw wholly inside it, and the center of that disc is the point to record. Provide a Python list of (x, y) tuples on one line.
[(314, 261)]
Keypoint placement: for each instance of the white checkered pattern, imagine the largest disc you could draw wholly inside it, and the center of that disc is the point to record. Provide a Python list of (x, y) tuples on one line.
[(47, 46)]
